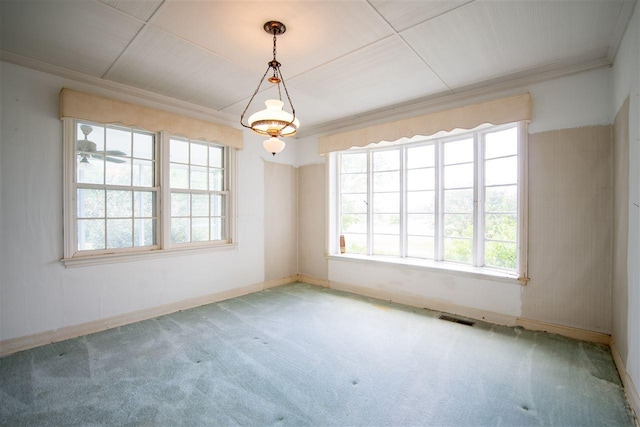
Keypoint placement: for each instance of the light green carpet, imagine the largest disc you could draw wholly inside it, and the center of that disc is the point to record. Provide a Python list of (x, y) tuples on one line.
[(302, 355)]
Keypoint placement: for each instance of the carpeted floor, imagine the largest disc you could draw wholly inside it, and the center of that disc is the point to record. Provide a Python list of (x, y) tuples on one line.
[(302, 355)]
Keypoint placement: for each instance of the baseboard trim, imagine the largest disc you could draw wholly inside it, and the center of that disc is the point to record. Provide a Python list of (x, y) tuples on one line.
[(280, 281), (421, 302), (629, 388), (30, 341), (313, 281), (567, 331)]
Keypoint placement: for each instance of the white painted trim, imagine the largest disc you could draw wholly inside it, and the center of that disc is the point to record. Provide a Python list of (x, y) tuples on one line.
[(437, 266), (567, 331), (421, 302), (68, 332), (629, 388)]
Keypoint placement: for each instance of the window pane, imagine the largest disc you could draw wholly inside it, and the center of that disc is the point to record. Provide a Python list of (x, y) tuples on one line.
[(218, 228), (386, 160), (119, 204), (118, 142), (501, 171), (199, 205), (421, 179), (200, 229), (119, 233), (89, 169), (421, 157), (356, 162), (386, 181), (143, 173), (91, 203), (501, 227), (144, 232), (354, 223), (216, 180), (502, 143), (459, 176), (180, 204), (178, 151), (421, 201), (355, 243), (386, 244), (458, 151), (199, 154), (501, 199), (199, 178), (143, 145), (144, 204), (421, 224), (89, 132), (458, 225), (386, 224), (354, 203), (118, 171), (458, 201), (218, 205), (180, 230), (216, 157), (91, 234), (458, 250), (354, 183), (386, 202), (501, 255), (179, 176), (420, 247)]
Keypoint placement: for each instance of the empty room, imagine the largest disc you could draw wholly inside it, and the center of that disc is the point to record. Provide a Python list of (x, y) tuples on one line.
[(320, 213)]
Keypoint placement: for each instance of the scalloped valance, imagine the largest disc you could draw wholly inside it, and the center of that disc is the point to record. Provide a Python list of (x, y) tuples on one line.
[(79, 105), (499, 111)]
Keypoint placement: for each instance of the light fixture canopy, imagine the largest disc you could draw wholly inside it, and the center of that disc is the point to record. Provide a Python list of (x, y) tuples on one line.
[(273, 121)]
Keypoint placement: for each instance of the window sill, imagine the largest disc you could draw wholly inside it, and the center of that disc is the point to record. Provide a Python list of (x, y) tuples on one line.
[(88, 260), (436, 266)]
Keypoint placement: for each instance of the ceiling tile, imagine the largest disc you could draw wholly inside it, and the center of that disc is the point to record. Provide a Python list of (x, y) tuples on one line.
[(403, 14), (383, 74), (489, 39), (317, 31), (79, 35), (162, 63), (142, 9)]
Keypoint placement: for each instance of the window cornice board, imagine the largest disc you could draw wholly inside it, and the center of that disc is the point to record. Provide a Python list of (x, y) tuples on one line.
[(79, 105), (498, 111)]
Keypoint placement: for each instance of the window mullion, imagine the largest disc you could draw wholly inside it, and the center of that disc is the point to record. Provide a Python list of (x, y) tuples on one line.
[(478, 198), (164, 199), (439, 202), (370, 203), (403, 203)]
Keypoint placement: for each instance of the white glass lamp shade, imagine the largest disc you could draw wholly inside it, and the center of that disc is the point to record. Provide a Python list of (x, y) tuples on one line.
[(273, 145), (273, 120)]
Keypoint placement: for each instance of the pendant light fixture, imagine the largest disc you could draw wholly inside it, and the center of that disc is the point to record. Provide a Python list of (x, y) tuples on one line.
[(273, 121)]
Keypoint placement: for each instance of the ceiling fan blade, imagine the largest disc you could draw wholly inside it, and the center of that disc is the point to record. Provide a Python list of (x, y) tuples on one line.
[(114, 153), (107, 158)]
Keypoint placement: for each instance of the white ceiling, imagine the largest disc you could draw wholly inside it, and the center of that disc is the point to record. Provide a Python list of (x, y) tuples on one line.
[(339, 58)]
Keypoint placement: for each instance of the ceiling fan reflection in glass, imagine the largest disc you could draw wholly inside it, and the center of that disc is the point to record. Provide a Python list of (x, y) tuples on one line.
[(87, 149)]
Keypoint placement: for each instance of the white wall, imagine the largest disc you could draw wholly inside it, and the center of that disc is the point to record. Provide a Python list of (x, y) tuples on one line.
[(626, 83), (37, 293)]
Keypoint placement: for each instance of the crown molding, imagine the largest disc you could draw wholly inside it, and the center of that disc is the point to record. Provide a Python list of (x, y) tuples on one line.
[(162, 101), (461, 95)]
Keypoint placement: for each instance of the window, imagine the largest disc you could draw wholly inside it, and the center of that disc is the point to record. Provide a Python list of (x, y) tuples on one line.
[(122, 199), (452, 199)]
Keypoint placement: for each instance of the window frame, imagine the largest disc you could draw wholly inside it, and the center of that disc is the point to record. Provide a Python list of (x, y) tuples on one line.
[(163, 247), (478, 242)]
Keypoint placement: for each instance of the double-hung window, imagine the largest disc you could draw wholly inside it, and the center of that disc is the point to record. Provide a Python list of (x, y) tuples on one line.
[(455, 201), (130, 191)]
